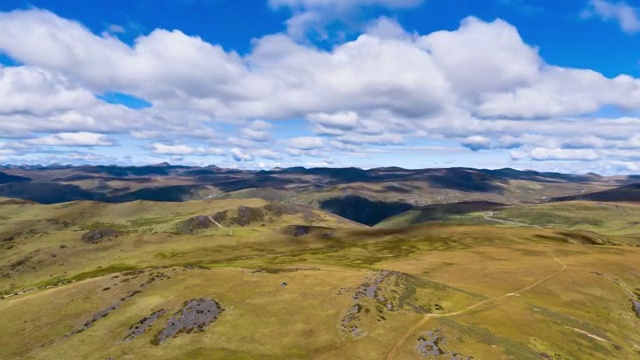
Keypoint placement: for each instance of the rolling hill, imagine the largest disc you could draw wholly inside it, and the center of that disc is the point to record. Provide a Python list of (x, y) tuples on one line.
[(221, 279), (179, 262), (628, 193)]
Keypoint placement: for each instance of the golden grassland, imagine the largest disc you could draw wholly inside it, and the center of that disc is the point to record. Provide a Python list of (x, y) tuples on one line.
[(493, 292)]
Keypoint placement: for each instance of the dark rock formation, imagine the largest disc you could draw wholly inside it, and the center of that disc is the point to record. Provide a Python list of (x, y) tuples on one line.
[(191, 225), (194, 317), (143, 325), (98, 236), (301, 230)]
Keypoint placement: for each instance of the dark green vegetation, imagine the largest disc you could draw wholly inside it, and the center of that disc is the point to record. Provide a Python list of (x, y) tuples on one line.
[(461, 264)]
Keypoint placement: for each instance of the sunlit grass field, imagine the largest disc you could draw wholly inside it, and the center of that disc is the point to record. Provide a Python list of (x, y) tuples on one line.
[(337, 290)]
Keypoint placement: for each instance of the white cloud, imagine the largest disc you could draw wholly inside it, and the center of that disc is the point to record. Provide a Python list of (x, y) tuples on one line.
[(116, 29), (483, 57), (157, 65), (257, 131), (476, 142), (386, 28), (342, 120), (542, 154), (72, 139), (147, 134), (267, 154), (344, 147), (260, 125), (305, 4), (163, 149), (305, 143), (295, 152), (242, 143), (480, 86), (381, 139), (315, 14), (621, 12), (240, 156), (27, 89)]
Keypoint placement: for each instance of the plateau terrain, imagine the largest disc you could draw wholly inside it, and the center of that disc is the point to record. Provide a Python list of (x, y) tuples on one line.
[(170, 262)]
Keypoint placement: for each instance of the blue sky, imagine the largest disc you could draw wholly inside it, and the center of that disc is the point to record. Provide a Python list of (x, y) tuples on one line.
[(539, 84)]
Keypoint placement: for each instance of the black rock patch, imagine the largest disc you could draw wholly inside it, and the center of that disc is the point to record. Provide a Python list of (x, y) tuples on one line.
[(98, 236), (194, 317), (143, 325)]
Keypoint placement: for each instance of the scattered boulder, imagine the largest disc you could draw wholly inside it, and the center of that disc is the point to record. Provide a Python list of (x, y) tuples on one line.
[(351, 323), (194, 317), (98, 236), (301, 230), (430, 344), (143, 325), (102, 314), (636, 307)]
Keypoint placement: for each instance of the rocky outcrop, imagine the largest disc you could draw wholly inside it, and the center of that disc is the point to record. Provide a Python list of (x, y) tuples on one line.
[(98, 236), (194, 317)]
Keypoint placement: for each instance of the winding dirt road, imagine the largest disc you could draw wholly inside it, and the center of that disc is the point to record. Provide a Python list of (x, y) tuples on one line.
[(219, 225), (426, 318), (490, 218)]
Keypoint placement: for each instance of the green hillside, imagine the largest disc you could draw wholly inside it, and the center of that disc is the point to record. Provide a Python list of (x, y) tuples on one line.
[(604, 218)]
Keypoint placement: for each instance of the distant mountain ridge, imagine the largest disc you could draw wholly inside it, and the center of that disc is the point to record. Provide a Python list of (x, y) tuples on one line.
[(366, 196)]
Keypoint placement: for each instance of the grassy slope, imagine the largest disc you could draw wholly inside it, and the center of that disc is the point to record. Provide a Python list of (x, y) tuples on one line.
[(440, 269), (605, 218)]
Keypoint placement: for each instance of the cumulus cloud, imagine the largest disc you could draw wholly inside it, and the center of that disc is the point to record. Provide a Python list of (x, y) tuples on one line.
[(344, 147), (305, 143), (476, 143), (621, 12), (542, 154), (163, 149), (240, 156), (256, 135), (314, 14), (379, 139), (258, 130), (342, 120), (31, 90), (483, 57), (159, 62), (267, 154), (480, 86), (306, 4), (72, 139)]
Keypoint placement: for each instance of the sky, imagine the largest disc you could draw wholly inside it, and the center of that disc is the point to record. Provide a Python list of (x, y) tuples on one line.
[(546, 85)]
